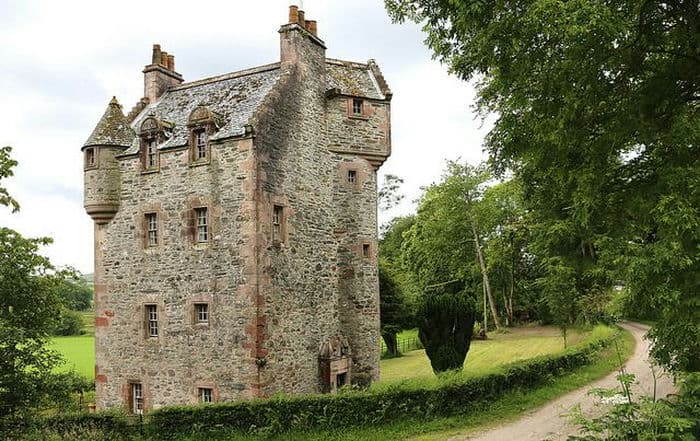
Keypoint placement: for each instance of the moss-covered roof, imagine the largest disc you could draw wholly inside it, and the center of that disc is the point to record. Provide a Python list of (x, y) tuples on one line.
[(113, 128)]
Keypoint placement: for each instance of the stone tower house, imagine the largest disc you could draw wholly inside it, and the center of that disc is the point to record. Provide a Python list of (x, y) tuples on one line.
[(236, 231)]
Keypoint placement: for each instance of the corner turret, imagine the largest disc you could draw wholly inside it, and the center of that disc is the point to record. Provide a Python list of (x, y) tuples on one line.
[(111, 136)]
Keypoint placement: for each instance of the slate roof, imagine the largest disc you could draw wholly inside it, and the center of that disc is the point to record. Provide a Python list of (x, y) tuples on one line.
[(236, 96), (112, 129)]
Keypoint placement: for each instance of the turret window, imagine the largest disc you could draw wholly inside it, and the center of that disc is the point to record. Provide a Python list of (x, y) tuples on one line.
[(357, 107), (90, 159)]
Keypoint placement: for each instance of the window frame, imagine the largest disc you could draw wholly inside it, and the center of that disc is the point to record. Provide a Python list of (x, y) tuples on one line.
[(201, 309), (352, 177), (151, 320), (90, 158), (202, 231), (205, 392), (151, 229), (200, 153), (151, 155), (136, 398), (358, 105), (278, 224)]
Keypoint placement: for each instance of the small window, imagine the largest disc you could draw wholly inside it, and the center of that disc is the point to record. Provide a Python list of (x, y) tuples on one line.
[(136, 405), (152, 320), (90, 158), (206, 395), (277, 219), (352, 176), (357, 107), (201, 311), (200, 144), (365, 250), (152, 228), (151, 153), (202, 217)]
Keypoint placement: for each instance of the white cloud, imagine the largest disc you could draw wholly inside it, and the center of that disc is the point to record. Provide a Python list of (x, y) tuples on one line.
[(62, 62)]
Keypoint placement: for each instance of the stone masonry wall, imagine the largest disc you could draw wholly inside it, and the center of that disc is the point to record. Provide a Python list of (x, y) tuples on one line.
[(174, 275)]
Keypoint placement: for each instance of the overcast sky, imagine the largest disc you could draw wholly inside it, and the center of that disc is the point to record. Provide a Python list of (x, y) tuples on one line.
[(62, 61)]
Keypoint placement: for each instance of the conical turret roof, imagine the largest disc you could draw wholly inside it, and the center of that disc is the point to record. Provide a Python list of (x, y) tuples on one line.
[(113, 128)]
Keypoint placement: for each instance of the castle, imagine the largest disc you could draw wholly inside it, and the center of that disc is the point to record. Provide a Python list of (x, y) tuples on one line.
[(235, 229)]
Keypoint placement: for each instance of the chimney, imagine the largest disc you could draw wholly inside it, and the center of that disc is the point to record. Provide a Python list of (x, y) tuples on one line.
[(293, 14), (300, 46), (160, 75)]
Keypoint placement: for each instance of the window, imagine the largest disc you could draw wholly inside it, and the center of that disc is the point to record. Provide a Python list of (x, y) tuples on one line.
[(152, 320), (201, 311), (202, 219), (352, 176), (277, 219), (151, 153), (357, 107), (136, 405), (206, 395), (152, 228), (365, 250), (90, 158), (200, 144)]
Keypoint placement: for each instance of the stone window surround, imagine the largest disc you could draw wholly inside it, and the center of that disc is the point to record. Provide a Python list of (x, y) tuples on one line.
[(366, 107), (150, 299), (91, 153), (361, 174), (194, 161), (128, 398), (191, 308), (189, 219), (145, 140), (365, 248), (202, 231), (141, 223), (286, 229), (151, 226), (205, 384), (151, 318)]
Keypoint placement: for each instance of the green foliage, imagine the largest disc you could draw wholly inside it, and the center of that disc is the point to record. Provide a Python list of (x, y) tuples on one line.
[(75, 294), (598, 116), (445, 326), (455, 395), (393, 307), (645, 419), (6, 165), (68, 323), (28, 308)]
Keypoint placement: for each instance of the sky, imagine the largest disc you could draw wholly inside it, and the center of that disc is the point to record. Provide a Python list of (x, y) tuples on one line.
[(62, 61)]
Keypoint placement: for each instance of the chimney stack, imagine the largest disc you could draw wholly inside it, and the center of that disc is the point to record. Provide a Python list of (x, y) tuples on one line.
[(311, 27), (301, 20), (160, 75)]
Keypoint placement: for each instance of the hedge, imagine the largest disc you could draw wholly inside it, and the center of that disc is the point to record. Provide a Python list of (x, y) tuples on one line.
[(455, 396)]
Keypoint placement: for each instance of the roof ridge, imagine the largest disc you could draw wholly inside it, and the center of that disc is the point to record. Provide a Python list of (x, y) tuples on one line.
[(339, 62), (227, 76)]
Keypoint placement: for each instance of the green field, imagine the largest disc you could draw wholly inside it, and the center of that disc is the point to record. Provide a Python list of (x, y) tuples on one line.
[(499, 349)]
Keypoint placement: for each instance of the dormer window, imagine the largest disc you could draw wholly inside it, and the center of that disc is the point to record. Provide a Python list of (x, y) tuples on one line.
[(151, 153), (202, 124), (200, 144), (152, 133)]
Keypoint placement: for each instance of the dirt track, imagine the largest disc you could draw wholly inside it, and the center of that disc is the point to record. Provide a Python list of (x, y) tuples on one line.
[(546, 422)]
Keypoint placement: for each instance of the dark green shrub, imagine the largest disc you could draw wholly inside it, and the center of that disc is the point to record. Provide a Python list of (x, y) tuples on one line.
[(68, 323), (445, 327), (456, 395)]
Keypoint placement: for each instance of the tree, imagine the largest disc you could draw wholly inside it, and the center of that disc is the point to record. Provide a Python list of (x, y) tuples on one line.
[(28, 307), (445, 326), (445, 242), (394, 313), (597, 105), (75, 294)]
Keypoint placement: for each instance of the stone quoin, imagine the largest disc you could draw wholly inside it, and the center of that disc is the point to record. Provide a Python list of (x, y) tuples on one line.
[(235, 225)]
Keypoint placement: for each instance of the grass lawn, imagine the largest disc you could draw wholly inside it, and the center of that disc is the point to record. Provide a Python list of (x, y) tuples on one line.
[(79, 353), (499, 349)]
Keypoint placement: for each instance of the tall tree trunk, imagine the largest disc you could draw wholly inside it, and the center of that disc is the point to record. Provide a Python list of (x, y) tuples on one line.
[(485, 277), (486, 317), (509, 303)]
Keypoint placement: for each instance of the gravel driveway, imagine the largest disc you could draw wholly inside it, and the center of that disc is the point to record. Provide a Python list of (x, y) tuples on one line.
[(546, 422)]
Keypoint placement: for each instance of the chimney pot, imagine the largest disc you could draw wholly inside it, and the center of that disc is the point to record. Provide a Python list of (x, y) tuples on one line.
[(155, 59), (311, 26), (301, 19), (171, 62), (293, 14), (164, 58)]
